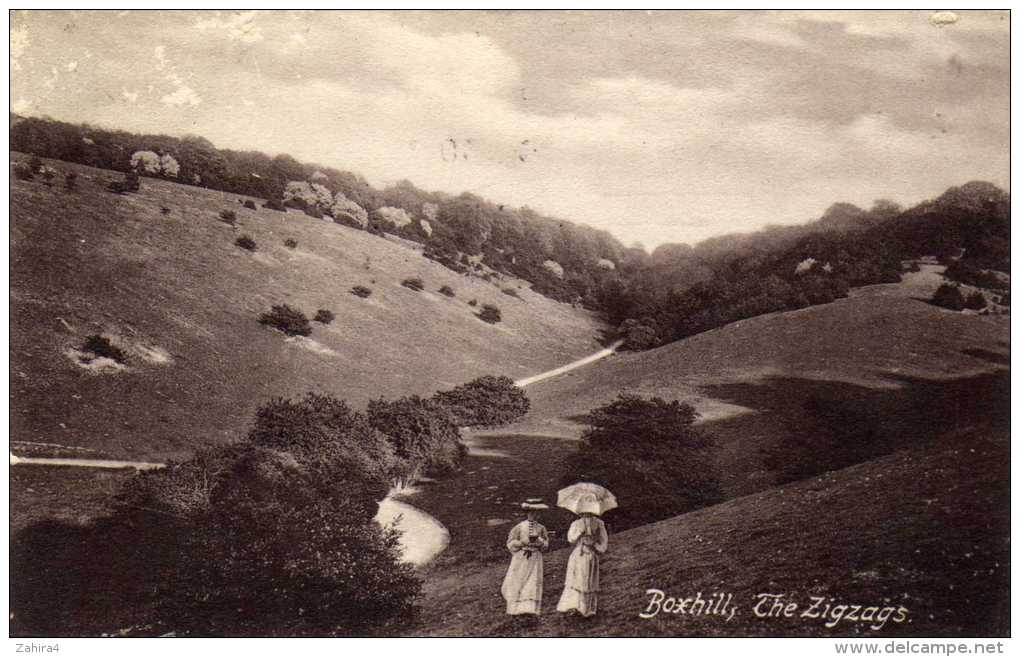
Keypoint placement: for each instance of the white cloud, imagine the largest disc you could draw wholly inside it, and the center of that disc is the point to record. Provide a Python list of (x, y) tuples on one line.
[(183, 95), (19, 44), (237, 27)]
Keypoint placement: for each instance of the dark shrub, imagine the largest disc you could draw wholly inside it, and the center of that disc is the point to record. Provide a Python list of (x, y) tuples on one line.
[(273, 204), (278, 536), (246, 243), (290, 243), (487, 401), (287, 319), (647, 452), (132, 183), (250, 205), (71, 181), (447, 291), (975, 301), (324, 316), (423, 435), (490, 314), (361, 291), (165, 210), (1004, 299), (949, 296), (23, 171), (228, 217), (415, 284), (48, 175), (511, 292), (314, 212), (117, 187), (473, 302), (103, 348), (35, 165)]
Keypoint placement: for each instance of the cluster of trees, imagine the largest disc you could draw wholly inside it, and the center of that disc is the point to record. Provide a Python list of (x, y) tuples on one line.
[(456, 230), (649, 453), (650, 299), (273, 535), (681, 290)]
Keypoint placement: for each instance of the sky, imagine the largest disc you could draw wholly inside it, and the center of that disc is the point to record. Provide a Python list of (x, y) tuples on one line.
[(657, 126)]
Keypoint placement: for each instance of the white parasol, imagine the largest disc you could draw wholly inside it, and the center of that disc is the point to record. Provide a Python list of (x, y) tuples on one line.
[(585, 497)]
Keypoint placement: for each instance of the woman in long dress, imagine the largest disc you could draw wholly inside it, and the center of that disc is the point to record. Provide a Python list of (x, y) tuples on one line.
[(581, 590), (522, 586)]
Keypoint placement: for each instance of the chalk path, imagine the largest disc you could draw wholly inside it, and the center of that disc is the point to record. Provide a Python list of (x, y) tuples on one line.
[(580, 362)]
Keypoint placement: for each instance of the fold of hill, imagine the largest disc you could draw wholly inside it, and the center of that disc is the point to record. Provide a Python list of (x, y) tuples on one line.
[(923, 532), (160, 274), (883, 358)]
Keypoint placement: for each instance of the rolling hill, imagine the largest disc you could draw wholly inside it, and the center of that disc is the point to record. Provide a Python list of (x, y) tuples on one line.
[(885, 349), (924, 530), (159, 274)]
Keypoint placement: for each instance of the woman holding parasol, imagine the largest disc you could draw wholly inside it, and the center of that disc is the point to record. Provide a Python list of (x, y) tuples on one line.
[(588, 536)]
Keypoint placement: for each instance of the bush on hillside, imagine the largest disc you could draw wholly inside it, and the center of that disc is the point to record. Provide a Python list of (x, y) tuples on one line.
[(650, 455), (228, 217), (361, 291), (290, 243), (511, 292), (488, 401), (102, 348), (949, 296), (23, 172), (288, 320), (71, 181), (132, 183), (250, 204), (35, 165), (273, 204), (446, 290), (415, 284), (975, 301), (490, 314), (246, 243), (423, 435), (473, 302), (324, 316), (48, 174), (280, 537), (164, 211)]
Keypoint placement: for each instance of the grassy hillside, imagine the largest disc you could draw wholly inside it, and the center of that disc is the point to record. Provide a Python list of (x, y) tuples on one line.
[(926, 529), (884, 349), (174, 291)]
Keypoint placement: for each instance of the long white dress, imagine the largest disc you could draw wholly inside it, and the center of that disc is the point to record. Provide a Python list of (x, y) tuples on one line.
[(522, 586), (581, 589)]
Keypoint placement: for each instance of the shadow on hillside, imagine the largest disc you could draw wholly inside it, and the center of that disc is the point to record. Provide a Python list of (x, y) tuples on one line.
[(989, 356), (805, 427), (80, 580)]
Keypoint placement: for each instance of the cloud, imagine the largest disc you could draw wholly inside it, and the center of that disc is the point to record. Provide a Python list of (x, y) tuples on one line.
[(665, 127), (19, 44), (236, 27), (182, 95)]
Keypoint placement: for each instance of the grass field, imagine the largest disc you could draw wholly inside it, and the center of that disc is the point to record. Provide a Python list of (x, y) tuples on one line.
[(926, 529), (176, 293), (922, 524)]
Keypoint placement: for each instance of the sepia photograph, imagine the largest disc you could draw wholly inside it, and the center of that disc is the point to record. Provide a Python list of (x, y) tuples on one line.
[(509, 323)]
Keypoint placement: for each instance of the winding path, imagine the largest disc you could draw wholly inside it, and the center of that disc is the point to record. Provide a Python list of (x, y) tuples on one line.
[(422, 536), (580, 362)]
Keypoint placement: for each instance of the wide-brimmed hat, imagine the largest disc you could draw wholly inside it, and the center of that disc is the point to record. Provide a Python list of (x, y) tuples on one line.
[(534, 504)]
